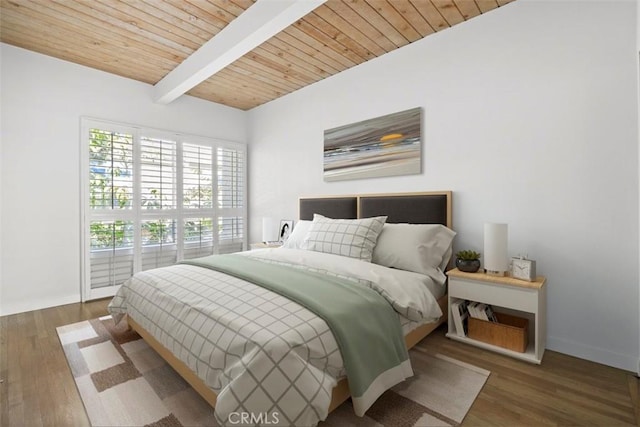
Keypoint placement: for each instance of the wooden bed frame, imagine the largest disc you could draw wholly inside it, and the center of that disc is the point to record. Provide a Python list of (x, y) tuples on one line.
[(341, 391)]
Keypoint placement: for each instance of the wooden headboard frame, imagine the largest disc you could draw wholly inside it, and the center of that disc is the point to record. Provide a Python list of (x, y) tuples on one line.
[(416, 208)]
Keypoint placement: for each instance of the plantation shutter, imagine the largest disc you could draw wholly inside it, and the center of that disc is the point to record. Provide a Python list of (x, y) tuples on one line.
[(158, 202), (111, 214), (152, 198), (231, 198), (198, 237), (198, 176)]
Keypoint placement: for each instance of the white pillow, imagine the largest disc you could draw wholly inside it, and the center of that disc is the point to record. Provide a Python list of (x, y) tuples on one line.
[(421, 248), (353, 238), (298, 235)]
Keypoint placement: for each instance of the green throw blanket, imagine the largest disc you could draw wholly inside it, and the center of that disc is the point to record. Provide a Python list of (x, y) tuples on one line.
[(364, 324)]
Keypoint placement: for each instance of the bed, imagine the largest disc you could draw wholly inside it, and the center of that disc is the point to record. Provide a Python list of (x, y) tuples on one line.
[(417, 319)]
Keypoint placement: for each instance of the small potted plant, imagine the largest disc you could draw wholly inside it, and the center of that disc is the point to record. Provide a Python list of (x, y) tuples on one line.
[(468, 261)]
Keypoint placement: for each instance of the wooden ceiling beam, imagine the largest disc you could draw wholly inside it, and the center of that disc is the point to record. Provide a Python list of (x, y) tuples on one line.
[(259, 23)]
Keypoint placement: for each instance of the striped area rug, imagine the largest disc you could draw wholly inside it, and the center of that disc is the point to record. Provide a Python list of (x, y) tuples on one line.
[(124, 382)]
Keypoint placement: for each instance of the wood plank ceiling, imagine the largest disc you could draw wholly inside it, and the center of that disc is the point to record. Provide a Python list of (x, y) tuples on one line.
[(146, 39)]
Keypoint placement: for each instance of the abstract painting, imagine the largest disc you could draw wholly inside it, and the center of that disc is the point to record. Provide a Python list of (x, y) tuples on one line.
[(385, 146)]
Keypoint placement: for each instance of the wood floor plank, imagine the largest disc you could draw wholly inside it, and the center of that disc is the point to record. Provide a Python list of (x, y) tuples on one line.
[(39, 390), (4, 399), (634, 391), (564, 390)]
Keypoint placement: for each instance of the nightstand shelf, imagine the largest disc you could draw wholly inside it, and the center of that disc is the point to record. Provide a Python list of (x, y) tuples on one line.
[(527, 356), (519, 297)]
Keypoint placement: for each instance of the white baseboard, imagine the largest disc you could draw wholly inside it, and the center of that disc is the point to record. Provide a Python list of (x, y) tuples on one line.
[(23, 306), (628, 362)]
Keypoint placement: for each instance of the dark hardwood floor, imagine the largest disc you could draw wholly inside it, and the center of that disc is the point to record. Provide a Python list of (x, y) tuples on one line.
[(38, 389)]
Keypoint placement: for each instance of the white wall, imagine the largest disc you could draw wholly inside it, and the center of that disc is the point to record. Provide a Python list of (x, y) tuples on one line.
[(42, 101), (1, 157), (638, 65), (530, 116)]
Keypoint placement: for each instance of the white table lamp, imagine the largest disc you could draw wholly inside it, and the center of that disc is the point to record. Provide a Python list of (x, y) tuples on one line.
[(269, 230), (496, 260)]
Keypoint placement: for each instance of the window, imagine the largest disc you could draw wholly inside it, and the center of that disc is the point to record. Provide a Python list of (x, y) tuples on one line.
[(151, 198)]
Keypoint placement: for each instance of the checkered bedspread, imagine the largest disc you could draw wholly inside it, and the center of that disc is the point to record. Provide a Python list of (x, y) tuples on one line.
[(260, 352)]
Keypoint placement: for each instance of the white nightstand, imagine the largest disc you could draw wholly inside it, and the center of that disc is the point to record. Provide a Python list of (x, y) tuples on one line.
[(514, 296), (264, 245)]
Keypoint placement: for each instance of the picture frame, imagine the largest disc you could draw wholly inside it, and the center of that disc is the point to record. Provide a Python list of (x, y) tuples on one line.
[(388, 145), (285, 229)]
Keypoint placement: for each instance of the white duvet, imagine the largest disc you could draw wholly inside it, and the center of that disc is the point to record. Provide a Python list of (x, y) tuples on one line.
[(412, 295)]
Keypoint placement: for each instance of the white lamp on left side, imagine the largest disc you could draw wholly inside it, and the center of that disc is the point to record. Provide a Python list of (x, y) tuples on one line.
[(269, 230), (496, 259)]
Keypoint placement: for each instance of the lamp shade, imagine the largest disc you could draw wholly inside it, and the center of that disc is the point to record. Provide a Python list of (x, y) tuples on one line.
[(496, 260), (269, 230)]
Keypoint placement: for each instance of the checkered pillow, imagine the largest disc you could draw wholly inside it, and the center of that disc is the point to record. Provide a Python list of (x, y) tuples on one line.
[(354, 238)]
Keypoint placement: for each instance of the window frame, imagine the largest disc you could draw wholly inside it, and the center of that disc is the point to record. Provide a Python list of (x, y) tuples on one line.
[(137, 214)]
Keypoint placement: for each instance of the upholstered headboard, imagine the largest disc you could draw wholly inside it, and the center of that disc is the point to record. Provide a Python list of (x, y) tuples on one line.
[(414, 208), (332, 207)]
